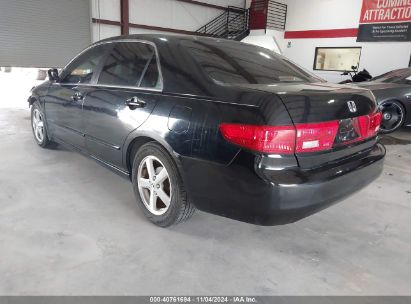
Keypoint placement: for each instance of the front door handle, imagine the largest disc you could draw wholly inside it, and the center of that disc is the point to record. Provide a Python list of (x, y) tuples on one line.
[(77, 96), (135, 102)]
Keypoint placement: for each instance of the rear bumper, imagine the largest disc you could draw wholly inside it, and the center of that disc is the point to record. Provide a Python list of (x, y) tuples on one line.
[(265, 196)]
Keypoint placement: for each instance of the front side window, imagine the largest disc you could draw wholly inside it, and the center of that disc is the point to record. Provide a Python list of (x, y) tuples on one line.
[(131, 64), (82, 69)]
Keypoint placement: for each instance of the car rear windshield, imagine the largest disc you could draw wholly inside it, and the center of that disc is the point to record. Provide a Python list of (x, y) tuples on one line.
[(238, 63)]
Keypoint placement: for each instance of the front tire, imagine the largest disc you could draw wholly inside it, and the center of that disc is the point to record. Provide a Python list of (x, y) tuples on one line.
[(393, 115), (38, 126), (158, 186)]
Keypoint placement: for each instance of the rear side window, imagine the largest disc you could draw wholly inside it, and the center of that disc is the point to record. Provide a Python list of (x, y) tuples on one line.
[(131, 64), (230, 62), (82, 69)]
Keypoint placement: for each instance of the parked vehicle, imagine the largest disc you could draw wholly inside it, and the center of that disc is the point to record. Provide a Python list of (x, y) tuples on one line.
[(393, 93), (356, 76), (222, 126)]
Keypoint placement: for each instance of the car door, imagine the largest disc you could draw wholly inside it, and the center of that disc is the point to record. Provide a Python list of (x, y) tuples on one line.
[(122, 99), (64, 100)]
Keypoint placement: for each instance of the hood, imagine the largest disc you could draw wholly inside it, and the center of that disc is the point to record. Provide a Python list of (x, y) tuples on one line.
[(374, 85)]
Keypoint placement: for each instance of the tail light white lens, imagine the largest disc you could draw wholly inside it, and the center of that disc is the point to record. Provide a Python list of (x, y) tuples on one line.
[(303, 138), (266, 139)]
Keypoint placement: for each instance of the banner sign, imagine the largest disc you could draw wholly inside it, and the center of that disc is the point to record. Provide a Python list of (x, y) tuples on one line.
[(385, 20)]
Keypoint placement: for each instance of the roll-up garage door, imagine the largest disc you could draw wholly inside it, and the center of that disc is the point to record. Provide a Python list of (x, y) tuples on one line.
[(43, 33)]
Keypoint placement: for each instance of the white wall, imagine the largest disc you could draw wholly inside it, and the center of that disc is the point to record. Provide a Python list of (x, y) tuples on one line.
[(376, 57), (162, 13), (267, 39), (322, 14), (176, 14), (105, 9)]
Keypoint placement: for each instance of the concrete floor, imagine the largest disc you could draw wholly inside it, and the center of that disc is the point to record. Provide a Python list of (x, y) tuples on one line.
[(70, 227)]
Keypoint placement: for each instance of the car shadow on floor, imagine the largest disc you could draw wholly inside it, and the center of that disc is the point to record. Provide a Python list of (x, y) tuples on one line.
[(399, 137)]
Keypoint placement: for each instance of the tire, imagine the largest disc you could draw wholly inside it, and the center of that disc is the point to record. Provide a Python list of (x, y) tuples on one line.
[(160, 194), (393, 116), (38, 126)]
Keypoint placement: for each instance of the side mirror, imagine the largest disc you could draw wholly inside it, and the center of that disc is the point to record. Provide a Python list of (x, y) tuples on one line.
[(53, 75)]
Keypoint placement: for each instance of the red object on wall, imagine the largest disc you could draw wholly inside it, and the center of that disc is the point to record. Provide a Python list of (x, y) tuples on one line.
[(332, 33), (258, 14), (385, 11)]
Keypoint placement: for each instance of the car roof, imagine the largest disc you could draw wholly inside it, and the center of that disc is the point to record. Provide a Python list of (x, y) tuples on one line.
[(180, 72), (157, 38)]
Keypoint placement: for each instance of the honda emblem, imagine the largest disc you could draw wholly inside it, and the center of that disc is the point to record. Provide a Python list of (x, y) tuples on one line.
[(352, 106)]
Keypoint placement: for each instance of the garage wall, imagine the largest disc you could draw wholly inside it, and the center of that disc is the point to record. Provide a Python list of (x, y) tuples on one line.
[(160, 13), (267, 39), (43, 33), (377, 57)]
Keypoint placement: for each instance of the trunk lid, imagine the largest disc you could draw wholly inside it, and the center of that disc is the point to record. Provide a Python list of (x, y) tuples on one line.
[(350, 108), (318, 102)]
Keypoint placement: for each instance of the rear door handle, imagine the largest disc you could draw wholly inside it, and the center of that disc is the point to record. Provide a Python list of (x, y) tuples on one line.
[(77, 96), (135, 102)]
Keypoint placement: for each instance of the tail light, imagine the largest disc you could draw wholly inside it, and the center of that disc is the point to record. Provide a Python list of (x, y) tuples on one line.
[(313, 137), (266, 139), (375, 122), (301, 138)]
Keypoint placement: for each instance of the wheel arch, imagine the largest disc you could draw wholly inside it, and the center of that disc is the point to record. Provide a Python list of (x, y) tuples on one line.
[(39, 101), (32, 99), (135, 141)]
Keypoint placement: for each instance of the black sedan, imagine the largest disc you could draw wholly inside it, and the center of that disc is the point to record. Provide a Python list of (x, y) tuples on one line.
[(217, 125), (393, 93)]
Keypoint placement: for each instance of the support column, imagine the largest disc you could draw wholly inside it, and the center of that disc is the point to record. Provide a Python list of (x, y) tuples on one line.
[(124, 6)]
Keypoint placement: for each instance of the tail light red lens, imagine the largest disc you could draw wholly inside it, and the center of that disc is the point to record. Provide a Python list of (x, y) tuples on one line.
[(266, 139), (313, 137), (303, 138), (366, 126), (375, 122)]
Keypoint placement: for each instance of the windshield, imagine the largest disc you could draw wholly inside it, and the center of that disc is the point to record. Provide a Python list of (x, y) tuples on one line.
[(230, 62), (394, 76)]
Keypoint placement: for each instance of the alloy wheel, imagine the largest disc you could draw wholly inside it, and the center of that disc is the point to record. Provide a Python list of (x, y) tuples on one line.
[(38, 125), (154, 185), (392, 116)]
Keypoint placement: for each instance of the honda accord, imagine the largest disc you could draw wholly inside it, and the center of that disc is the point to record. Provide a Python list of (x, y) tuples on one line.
[(211, 124)]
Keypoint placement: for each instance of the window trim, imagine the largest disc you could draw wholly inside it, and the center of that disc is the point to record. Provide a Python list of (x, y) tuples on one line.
[(93, 81), (335, 47), (64, 73)]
